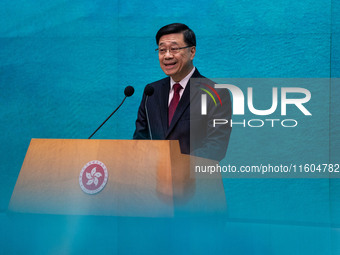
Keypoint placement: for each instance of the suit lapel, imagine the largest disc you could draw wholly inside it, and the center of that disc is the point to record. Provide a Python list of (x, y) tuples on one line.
[(183, 104)]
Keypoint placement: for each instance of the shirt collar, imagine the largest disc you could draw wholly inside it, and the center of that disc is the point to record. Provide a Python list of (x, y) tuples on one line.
[(184, 81)]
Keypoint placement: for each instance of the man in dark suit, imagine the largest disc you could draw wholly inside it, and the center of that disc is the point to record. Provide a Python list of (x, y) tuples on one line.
[(174, 109)]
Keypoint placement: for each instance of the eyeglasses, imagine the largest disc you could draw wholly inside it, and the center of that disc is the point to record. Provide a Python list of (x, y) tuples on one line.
[(172, 50)]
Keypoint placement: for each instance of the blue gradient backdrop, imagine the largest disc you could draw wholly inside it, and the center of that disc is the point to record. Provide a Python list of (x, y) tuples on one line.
[(63, 69)]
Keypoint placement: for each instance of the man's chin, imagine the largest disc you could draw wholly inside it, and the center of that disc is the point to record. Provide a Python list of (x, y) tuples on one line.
[(169, 72)]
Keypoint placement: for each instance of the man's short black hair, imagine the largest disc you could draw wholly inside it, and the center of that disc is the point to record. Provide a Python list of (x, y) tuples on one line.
[(189, 35)]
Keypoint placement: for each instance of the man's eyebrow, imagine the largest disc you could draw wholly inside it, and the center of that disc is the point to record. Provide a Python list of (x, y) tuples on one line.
[(174, 42)]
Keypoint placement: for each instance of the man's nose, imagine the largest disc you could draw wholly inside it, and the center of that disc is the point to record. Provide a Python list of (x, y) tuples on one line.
[(168, 54)]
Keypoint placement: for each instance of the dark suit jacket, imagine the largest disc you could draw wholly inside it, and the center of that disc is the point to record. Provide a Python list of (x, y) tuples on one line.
[(195, 132)]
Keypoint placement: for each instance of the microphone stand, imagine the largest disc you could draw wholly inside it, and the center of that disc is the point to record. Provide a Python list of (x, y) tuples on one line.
[(108, 118)]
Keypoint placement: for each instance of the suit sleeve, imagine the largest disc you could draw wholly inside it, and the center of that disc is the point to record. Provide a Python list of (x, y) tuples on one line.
[(215, 142), (142, 131)]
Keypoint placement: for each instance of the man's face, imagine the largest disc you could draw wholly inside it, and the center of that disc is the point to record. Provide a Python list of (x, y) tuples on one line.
[(176, 65)]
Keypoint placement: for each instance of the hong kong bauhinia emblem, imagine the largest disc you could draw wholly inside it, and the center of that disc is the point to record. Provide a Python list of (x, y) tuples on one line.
[(93, 177)]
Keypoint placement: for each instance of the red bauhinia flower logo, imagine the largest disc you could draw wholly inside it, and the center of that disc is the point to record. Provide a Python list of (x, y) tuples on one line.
[(93, 177)]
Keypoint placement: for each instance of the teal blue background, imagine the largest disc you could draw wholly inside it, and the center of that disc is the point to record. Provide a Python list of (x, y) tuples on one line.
[(63, 69)]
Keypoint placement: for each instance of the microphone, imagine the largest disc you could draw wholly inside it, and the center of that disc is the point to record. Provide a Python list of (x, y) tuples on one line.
[(148, 91), (128, 91)]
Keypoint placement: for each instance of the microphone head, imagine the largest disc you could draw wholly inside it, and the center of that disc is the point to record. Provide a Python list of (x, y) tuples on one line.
[(128, 91), (148, 91)]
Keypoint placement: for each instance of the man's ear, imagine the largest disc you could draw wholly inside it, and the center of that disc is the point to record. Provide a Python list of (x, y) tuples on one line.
[(193, 52)]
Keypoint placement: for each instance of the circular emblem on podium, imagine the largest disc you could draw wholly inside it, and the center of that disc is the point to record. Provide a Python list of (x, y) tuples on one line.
[(93, 177)]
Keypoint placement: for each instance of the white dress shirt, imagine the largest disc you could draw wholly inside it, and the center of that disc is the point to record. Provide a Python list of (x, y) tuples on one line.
[(183, 83)]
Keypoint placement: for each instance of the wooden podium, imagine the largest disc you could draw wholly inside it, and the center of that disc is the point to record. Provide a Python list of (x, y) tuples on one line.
[(144, 179)]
